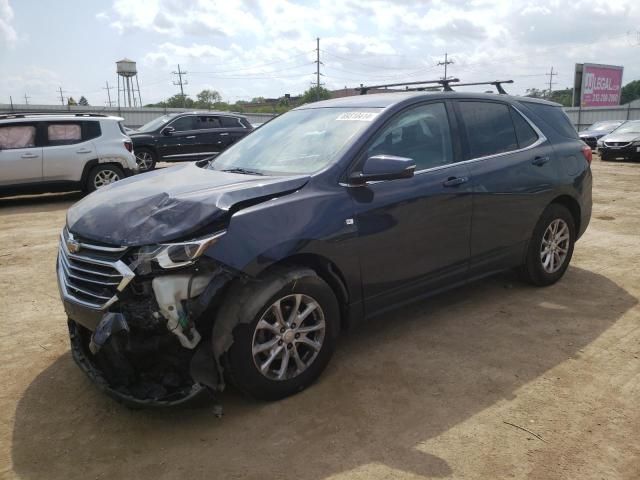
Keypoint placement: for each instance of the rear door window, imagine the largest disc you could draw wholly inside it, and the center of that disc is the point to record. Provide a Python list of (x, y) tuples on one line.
[(207, 121), (64, 133), (524, 132), (17, 136), (489, 128)]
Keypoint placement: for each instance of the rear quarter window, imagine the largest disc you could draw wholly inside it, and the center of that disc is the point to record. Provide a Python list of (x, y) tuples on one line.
[(92, 130), (230, 122), (555, 118)]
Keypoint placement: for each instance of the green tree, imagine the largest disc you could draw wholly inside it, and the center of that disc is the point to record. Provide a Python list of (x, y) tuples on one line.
[(83, 101), (207, 98), (71, 101), (630, 92), (315, 93), (563, 97)]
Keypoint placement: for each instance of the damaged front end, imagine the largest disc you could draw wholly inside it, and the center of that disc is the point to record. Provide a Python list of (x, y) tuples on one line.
[(140, 318)]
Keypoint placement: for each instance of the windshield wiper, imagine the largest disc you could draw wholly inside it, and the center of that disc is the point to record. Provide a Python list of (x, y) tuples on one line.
[(244, 171)]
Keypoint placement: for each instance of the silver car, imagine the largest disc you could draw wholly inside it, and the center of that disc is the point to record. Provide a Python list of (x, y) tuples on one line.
[(61, 152)]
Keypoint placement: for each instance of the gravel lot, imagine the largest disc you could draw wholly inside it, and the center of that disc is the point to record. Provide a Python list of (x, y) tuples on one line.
[(421, 393)]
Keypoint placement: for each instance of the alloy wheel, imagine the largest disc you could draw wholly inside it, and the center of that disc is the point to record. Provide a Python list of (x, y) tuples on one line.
[(144, 160), (288, 337), (555, 245), (105, 177)]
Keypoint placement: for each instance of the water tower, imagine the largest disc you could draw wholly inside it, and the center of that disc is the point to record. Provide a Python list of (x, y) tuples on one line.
[(127, 70)]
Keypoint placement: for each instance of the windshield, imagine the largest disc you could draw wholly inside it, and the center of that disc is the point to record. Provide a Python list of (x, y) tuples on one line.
[(155, 123), (599, 126), (300, 141), (629, 127)]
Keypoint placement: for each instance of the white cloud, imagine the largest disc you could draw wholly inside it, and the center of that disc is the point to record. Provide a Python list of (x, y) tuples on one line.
[(8, 35)]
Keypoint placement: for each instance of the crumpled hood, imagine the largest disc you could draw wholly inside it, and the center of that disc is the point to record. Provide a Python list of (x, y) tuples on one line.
[(621, 137), (170, 203)]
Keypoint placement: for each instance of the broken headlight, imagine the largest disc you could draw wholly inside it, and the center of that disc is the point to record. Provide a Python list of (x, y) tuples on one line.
[(173, 255)]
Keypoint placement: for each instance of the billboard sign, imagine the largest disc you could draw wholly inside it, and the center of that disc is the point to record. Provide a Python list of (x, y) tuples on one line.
[(599, 85)]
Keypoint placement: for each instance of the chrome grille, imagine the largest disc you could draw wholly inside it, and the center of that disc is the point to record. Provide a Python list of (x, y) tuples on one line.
[(93, 274), (617, 144)]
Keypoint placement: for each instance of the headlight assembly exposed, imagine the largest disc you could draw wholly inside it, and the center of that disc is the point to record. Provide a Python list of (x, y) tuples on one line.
[(173, 255)]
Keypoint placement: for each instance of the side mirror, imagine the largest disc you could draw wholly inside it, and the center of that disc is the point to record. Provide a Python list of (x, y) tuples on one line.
[(383, 167), (168, 131)]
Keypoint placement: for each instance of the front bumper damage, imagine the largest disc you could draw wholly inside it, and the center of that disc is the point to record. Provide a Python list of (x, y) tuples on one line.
[(150, 343)]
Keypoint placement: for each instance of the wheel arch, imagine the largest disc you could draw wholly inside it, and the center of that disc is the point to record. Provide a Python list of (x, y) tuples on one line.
[(90, 165), (573, 206), (327, 271)]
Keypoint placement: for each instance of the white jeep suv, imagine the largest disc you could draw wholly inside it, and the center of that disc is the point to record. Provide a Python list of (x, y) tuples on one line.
[(60, 152)]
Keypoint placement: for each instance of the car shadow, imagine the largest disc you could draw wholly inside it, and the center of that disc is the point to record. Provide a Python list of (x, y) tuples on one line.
[(396, 382)]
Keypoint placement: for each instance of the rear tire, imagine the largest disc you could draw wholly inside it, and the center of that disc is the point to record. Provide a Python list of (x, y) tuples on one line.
[(551, 247), (145, 158), (102, 175), (294, 354)]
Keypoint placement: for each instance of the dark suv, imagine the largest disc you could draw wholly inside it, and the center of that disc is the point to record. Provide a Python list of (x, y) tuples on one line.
[(245, 268), (187, 136)]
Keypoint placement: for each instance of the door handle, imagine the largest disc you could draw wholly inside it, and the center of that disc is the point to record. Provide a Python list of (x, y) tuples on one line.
[(224, 134), (191, 136), (539, 161), (29, 155), (83, 150), (455, 181)]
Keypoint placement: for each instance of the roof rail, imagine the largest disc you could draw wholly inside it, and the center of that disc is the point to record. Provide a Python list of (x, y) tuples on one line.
[(364, 89), (495, 83), (26, 114)]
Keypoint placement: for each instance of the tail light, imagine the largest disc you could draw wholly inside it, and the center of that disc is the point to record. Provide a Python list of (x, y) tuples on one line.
[(128, 146), (588, 155)]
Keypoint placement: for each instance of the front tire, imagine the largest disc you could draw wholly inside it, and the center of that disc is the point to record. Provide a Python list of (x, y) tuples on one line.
[(551, 247), (102, 175), (289, 322)]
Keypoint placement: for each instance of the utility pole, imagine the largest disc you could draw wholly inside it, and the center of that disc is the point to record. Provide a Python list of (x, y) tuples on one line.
[(11, 102), (108, 89), (181, 82), (26, 99), (445, 63), (61, 96), (317, 68), (551, 82)]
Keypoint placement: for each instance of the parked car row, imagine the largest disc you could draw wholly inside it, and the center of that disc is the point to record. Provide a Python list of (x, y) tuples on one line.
[(614, 139), (63, 152)]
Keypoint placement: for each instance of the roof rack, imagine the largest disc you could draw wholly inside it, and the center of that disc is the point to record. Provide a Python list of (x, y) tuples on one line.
[(495, 83), (364, 89), (446, 85), (28, 114)]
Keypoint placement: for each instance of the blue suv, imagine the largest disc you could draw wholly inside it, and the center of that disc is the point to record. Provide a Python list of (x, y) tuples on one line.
[(245, 268)]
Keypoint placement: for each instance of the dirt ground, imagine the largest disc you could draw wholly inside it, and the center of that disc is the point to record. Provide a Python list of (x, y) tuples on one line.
[(424, 392)]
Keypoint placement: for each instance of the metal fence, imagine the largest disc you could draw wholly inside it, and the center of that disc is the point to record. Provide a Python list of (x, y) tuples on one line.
[(133, 117), (583, 117)]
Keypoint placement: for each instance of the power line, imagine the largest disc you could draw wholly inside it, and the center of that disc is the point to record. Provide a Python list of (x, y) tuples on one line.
[(181, 82), (369, 65), (445, 63)]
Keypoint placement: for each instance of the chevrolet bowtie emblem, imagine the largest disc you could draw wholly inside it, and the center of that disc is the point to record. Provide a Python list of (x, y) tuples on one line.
[(72, 245)]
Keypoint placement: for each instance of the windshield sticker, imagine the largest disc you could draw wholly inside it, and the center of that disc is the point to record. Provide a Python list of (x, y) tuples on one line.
[(357, 116)]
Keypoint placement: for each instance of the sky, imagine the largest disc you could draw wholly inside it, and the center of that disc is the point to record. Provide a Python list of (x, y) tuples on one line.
[(266, 48)]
